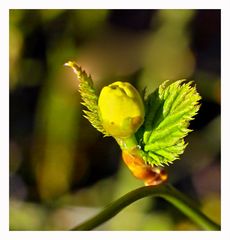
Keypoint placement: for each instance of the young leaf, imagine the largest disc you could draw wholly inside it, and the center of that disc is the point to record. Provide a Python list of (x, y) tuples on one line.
[(89, 96), (169, 110)]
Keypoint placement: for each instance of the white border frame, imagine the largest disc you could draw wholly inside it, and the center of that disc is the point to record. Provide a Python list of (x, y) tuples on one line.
[(4, 125)]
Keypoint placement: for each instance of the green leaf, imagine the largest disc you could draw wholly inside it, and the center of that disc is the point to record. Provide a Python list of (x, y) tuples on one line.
[(89, 96), (169, 110)]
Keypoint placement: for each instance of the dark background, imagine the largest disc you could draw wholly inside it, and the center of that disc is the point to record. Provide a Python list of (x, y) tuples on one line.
[(61, 169)]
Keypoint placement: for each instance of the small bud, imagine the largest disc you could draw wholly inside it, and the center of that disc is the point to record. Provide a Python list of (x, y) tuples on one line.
[(151, 175), (121, 109)]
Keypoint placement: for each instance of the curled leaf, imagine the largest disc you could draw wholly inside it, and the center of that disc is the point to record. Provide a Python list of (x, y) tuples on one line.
[(89, 96)]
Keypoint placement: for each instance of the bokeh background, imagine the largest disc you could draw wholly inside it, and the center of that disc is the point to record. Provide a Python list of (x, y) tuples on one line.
[(62, 171)]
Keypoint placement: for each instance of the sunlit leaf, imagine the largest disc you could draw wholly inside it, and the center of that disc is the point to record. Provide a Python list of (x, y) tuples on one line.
[(89, 96), (169, 110)]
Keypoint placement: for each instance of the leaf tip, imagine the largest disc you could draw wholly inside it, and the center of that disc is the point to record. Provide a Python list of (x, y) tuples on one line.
[(75, 67)]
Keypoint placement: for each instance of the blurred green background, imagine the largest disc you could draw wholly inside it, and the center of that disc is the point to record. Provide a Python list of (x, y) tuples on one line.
[(62, 171)]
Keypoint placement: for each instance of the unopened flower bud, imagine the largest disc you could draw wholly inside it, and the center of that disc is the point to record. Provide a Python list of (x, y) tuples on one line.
[(121, 109)]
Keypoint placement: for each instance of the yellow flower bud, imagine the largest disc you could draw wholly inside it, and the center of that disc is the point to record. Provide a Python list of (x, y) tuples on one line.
[(121, 109)]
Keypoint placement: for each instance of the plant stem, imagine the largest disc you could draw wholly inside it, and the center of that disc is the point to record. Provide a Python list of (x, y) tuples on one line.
[(165, 191), (127, 143)]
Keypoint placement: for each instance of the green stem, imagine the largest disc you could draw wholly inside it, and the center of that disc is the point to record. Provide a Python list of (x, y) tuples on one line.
[(166, 192), (127, 143)]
